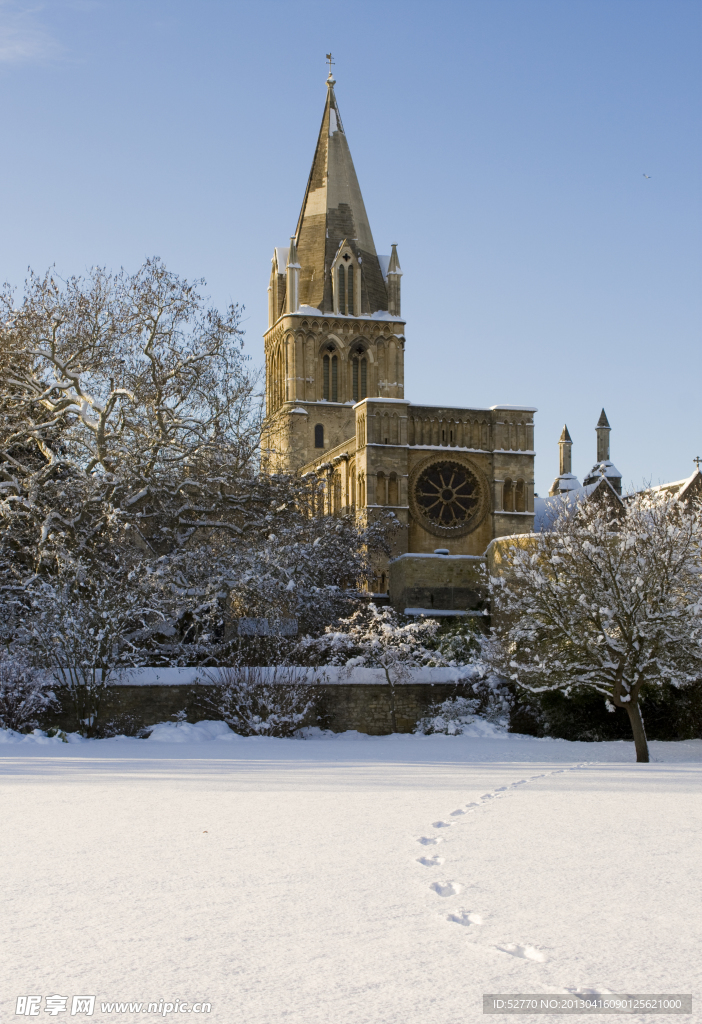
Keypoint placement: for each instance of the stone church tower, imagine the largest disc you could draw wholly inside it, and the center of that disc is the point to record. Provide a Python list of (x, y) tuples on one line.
[(335, 332), (456, 478)]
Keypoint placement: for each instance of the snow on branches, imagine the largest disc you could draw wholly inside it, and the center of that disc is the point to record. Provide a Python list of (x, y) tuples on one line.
[(375, 638), (122, 398), (605, 601), (129, 439)]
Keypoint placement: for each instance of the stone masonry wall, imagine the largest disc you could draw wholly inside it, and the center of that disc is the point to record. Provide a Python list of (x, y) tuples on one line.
[(364, 707)]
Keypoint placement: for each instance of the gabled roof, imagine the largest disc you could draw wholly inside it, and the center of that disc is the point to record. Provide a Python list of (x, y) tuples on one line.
[(333, 210), (689, 487)]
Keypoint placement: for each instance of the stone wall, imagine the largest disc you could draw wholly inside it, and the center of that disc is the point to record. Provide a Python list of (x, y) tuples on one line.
[(364, 706), (437, 582)]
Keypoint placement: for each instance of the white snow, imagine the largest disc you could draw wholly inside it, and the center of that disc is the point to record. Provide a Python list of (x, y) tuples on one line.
[(333, 126), (515, 408), (304, 881), (438, 613), (281, 258)]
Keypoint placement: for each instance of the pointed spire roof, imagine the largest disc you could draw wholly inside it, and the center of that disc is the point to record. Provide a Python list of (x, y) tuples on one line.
[(565, 436), (332, 211), (394, 264), (603, 421)]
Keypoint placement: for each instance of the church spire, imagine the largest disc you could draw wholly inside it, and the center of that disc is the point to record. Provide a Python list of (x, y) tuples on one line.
[(565, 481), (603, 428), (333, 213)]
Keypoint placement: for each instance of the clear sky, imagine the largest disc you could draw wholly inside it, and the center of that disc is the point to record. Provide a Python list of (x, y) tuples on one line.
[(503, 144)]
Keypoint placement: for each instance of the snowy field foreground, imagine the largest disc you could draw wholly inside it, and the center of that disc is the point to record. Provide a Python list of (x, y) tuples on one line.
[(346, 879)]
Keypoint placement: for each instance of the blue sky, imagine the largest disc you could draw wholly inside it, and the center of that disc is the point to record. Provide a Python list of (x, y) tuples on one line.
[(501, 143)]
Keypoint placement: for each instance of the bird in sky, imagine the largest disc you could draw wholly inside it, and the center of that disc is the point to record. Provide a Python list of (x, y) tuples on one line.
[(647, 175)]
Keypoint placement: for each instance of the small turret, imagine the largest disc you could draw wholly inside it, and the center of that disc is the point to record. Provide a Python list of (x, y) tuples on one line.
[(565, 481), (565, 446), (604, 468), (603, 429), (393, 283)]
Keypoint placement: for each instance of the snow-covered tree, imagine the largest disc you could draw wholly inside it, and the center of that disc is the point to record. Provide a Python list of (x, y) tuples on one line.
[(129, 431), (122, 398), (376, 638), (81, 624), (605, 601), (25, 691)]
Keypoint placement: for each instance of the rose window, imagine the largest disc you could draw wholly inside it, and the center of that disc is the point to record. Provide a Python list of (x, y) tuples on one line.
[(448, 494)]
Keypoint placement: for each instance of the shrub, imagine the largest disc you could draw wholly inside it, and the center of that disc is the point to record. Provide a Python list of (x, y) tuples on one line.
[(488, 698), (25, 692), (256, 702)]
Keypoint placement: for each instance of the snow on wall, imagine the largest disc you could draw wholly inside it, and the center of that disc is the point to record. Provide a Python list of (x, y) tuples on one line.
[(328, 676)]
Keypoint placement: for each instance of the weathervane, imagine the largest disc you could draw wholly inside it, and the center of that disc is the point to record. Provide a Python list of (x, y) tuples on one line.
[(330, 62)]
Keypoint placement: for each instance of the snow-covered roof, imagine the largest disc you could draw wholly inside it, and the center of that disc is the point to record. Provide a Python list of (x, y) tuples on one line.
[(385, 401), (380, 314), (425, 554), (515, 408), (545, 509), (605, 468), (677, 487), (281, 258), (440, 613)]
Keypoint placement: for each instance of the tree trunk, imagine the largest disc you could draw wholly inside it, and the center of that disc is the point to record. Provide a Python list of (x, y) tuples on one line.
[(393, 716), (637, 727)]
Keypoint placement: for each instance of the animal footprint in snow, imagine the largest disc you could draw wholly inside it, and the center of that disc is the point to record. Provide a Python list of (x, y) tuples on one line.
[(464, 918), (430, 840), (430, 862), (443, 824), (525, 952), (445, 888), (459, 811)]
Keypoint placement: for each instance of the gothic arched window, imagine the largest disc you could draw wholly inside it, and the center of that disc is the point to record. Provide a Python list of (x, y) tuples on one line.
[(319, 436), (508, 496), (342, 289), (392, 490), (519, 497), (359, 376), (380, 492), (330, 379), (349, 304)]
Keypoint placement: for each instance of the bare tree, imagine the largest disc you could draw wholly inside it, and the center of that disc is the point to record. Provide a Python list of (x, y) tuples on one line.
[(605, 601)]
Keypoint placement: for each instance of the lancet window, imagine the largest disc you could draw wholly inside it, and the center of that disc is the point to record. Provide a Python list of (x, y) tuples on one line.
[(345, 285), (330, 376), (359, 375)]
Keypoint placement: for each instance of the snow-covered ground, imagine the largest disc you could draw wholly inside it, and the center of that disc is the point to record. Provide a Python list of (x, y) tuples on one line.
[(346, 879)]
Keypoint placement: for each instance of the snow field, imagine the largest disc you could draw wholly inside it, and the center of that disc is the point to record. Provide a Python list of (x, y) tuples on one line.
[(378, 880)]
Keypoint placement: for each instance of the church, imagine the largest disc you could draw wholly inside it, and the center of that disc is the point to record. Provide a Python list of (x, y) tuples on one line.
[(456, 478)]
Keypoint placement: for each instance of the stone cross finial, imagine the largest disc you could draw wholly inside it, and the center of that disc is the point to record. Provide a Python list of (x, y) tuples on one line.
[(697, 461)]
